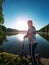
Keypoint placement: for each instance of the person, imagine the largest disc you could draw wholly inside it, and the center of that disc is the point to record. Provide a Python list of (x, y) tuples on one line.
[(31, 38)]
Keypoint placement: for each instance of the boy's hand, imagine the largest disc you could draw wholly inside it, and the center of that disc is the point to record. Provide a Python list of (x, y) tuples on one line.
[(24, 37)]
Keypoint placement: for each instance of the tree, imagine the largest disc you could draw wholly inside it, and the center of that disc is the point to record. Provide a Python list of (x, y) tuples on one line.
[(1, 12)]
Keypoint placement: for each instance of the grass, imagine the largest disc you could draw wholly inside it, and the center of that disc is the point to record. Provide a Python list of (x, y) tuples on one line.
[(11, 59)]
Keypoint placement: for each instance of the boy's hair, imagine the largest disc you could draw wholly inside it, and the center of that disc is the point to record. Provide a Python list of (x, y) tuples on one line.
[(30, 21)]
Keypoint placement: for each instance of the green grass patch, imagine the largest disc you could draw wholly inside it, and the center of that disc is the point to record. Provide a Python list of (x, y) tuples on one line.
[(11, 59)]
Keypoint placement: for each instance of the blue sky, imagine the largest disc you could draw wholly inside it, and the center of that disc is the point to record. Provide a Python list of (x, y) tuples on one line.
[(36, 10)]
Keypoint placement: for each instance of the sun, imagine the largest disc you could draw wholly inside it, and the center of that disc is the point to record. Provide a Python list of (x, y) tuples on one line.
[(21, 23)]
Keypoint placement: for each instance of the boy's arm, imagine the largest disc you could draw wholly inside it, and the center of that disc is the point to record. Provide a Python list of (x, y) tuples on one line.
[(28, 35)]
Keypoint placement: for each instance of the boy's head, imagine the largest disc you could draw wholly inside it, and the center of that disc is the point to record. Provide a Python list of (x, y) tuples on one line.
[(30, 23)]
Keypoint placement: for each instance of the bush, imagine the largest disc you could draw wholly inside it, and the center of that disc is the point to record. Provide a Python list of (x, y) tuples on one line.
[(10, 59), (1, 31)]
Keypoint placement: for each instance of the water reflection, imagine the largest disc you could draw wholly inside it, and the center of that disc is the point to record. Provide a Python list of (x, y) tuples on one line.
[(45, 36), (13, 44), (4, 38), (43, 47), (20, 37)]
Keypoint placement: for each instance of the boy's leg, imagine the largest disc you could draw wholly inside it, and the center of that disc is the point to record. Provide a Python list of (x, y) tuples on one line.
[(30, 49), (33, 50)]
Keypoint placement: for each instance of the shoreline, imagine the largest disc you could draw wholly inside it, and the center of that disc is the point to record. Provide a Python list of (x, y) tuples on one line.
[(43, 33), (44, 61)]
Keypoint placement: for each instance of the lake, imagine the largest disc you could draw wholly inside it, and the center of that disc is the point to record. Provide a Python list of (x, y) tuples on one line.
[(13, 44)]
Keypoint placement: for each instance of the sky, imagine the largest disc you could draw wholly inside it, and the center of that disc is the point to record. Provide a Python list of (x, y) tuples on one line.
[(16, 11)]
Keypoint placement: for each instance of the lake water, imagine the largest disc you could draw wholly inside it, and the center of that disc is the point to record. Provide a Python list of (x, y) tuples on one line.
[(13, 44)]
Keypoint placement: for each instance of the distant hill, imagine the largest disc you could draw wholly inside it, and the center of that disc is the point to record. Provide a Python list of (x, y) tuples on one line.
[(11, 30), (3, 30), (44, 29), (22, 31)]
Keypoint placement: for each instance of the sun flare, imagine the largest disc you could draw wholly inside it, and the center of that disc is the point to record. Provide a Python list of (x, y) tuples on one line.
[(21, 23), (20, 37)]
